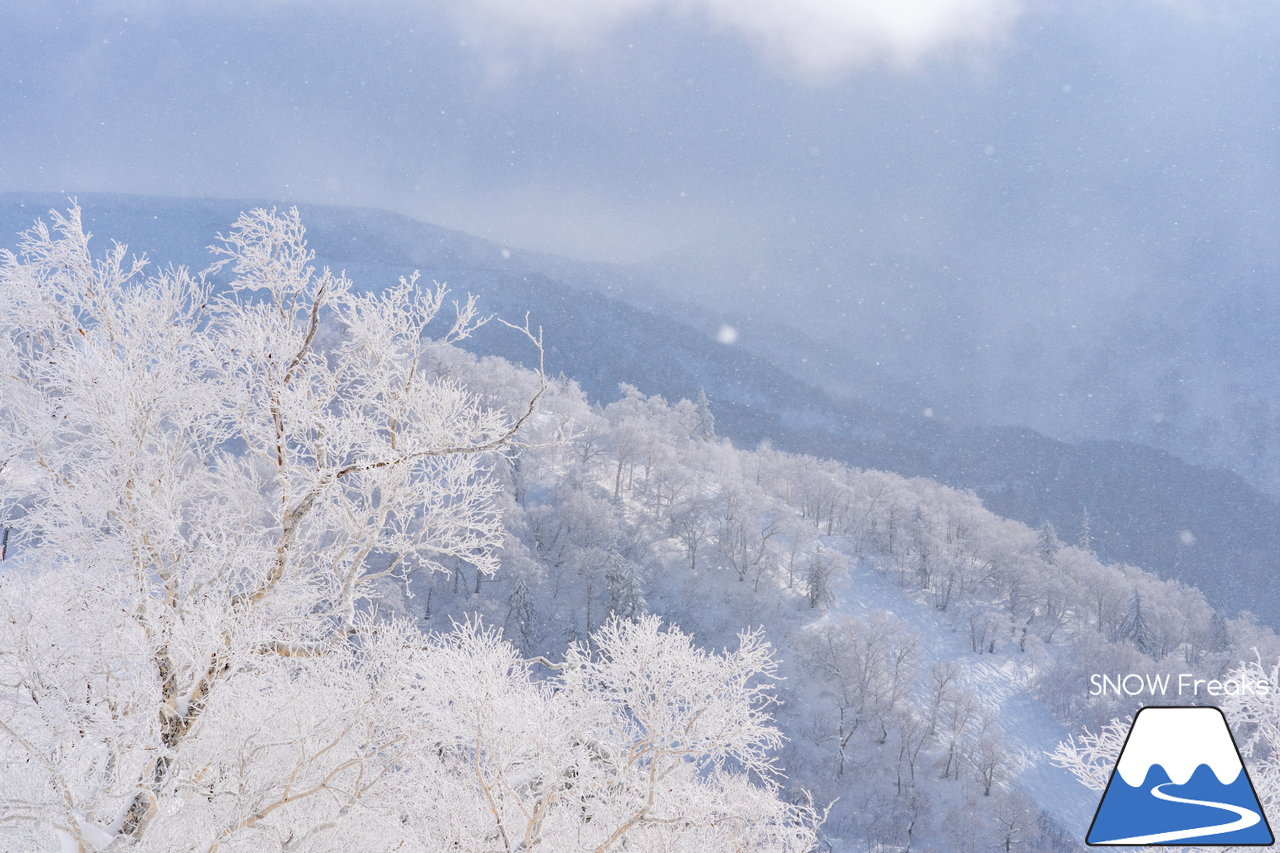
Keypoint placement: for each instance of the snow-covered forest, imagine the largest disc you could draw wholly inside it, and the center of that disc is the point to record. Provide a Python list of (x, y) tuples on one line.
[(288, 568), (206, 490)]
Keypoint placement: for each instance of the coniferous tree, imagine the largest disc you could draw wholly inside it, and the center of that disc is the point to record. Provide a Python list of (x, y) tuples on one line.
[(1136, 627), (818, 578), (1086, 530), (626, 586), (1047, 542), (1219, 635), (522, 609), (706, 423)]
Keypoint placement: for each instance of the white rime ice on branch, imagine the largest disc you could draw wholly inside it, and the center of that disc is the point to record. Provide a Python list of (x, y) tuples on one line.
[(205, 484), (1091, 756)]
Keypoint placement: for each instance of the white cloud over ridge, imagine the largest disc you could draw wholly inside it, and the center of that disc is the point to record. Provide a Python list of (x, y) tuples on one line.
[(815, 39)]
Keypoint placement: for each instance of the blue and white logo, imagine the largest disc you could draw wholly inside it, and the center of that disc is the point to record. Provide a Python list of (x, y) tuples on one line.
[(1179, 780)]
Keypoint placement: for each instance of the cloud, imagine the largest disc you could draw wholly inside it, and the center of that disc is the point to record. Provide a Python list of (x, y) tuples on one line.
[(815, 39), (826, 37)]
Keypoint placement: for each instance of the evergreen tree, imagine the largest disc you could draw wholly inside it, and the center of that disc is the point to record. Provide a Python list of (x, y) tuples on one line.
[(818, 578), (1047, 542), (1135, 627), (1219, 635), (626, 587), (522, 611), (706, 424)]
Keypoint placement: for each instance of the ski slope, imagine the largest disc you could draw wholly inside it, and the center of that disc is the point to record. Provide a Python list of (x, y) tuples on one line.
[(1030, 730)]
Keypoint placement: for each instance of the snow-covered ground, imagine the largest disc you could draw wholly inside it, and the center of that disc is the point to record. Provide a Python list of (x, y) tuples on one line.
[(1030, 730)]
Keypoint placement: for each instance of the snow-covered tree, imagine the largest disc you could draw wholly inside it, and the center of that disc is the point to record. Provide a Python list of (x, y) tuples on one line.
[(626, 586), (1086, 529), (817, 577), (705, 425), (1047, 542), (1136, 627), (208, 479), (1091, 756)]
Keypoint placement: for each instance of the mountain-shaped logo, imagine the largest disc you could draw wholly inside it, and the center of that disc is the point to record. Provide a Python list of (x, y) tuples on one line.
[(1180, 780)]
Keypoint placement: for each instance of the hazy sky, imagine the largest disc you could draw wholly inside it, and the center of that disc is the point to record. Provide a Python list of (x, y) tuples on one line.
[(1062, 214), (624, 128)]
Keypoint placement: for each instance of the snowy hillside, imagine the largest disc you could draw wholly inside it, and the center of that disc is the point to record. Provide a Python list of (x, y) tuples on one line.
[(1144, 507), (935, 651), (334, 528)]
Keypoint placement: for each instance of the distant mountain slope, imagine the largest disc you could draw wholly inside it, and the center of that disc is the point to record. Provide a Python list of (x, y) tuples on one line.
[(1172, 347), (1205, 527)]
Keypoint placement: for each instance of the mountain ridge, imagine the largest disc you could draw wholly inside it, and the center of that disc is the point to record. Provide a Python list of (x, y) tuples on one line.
[(1146, 507)]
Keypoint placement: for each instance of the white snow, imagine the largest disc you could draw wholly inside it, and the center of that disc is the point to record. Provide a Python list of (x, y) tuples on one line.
[(1029, 728)]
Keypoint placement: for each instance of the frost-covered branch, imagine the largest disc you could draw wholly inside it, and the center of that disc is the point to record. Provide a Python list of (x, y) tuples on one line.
[(213, 473)]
